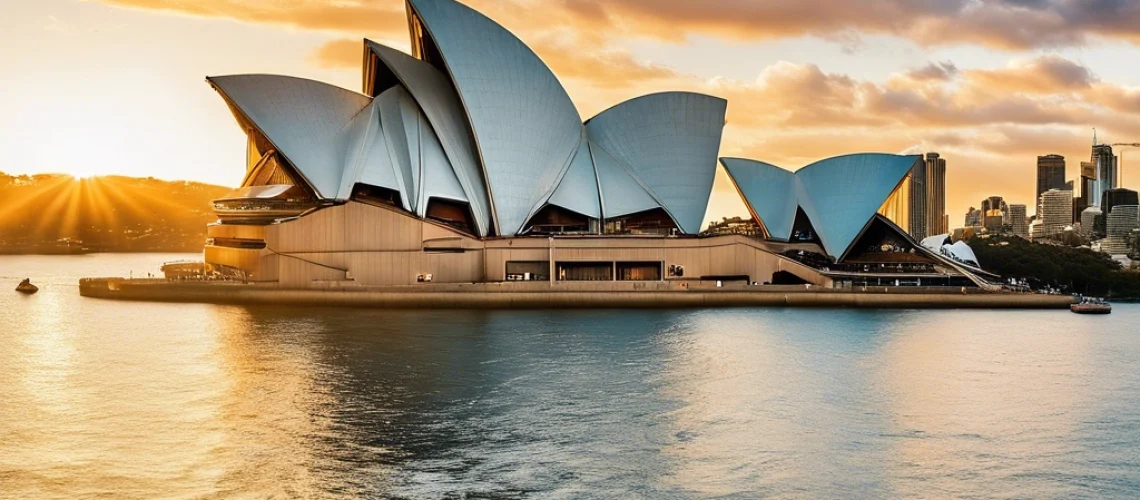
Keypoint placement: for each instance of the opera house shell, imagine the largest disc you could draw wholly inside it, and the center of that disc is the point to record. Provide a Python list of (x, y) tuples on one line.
[(467, 162)]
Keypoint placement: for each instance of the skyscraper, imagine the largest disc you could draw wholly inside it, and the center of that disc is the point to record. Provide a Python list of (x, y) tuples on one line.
[(1056, 212), (918, 197), (1106, 170), (1050, 174), (1087, 186), (1019, 220), (994, 214), (1120, 224), (994, 203), (936, 219)]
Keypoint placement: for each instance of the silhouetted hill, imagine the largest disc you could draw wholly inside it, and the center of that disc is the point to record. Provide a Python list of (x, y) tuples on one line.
[(55, 213)]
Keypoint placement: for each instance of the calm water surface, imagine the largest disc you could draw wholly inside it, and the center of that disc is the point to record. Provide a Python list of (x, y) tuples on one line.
[(119, 400)]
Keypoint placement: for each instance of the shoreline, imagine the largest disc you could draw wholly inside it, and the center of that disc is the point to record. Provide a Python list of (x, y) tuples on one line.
[(561, 296)]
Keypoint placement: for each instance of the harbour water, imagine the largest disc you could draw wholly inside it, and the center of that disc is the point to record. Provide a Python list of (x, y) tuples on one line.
[(104, 399)]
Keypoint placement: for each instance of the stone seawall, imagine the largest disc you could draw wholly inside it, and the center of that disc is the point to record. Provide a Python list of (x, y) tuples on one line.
[(554, 297)]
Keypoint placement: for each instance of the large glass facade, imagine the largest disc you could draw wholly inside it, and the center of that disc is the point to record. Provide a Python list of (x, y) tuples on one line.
[(897, 208)]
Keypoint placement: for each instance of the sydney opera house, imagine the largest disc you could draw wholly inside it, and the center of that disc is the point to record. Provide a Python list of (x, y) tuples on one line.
[(467, 162)]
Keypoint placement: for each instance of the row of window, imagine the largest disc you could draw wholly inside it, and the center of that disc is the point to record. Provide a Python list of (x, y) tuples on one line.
[(585, 271)]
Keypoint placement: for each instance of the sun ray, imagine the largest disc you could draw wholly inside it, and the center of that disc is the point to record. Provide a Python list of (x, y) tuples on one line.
[(26, 202), (50, 215), (98, 204), (70, 224)]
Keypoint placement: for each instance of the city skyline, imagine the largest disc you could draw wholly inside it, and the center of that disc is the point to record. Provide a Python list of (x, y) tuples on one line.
[(989, 100)]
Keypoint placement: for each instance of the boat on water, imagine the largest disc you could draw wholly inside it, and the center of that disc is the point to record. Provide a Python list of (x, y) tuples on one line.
[(1089, 305), (26, 287)]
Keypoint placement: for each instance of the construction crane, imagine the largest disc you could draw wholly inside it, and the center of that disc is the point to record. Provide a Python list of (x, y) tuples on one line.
[(1124, 145)]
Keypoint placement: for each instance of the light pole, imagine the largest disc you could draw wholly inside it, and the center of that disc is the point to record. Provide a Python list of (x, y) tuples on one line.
[(1124, 145)]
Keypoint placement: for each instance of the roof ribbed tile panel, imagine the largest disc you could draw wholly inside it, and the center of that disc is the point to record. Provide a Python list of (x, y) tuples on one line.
[(622, 194), (526, 127), (769, 191), (578, 190), (302, 119), (671, 142), (841, 195), (433, 92), (439, 180), (366, 156), (401, 132)]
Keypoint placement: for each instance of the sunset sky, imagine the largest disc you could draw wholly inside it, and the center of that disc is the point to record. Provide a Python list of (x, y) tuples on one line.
[(118, 86)]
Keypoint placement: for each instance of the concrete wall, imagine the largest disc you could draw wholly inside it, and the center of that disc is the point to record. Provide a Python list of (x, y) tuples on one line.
[(236, 232), (248, 260), (379, 246), (539, 295)]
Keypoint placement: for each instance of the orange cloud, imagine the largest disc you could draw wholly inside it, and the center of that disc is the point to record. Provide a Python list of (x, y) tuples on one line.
[(1043, 75), (605, 68), (989, 124), (366, 16), (1007, 24)]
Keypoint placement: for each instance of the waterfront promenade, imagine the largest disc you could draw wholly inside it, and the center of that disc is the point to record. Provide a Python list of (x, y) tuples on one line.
[(580, 295)]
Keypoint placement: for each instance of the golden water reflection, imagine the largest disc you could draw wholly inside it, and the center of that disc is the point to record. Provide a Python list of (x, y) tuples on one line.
[(105, 399), (969, 398)]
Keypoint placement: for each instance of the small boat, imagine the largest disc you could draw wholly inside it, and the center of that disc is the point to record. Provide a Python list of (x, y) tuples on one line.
[(26, 287), (1091, 306)]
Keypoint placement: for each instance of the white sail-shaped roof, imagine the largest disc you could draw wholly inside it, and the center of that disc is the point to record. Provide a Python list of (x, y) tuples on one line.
[(302, 119), (578, 190), (399, 120), (962, 252), (367, 158), (842, 194), (477, 117), (770, 191), (436, 97), (526, 127), (622, 193), (670, 141), (390, 144), (438, 179), (935, 243)]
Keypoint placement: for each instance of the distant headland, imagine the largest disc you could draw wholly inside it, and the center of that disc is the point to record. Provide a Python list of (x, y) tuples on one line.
[(57, 214)]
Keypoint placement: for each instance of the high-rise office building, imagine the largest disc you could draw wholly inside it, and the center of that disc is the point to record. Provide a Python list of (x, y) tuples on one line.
[(918, 197), (974, 218), (1019, 219), (1050, 173), (936, 220), (1120, 223), (1087, 186), (1088, 221), (1118, 196), (994, 221), (994, 214), (1107, 174), (1056, 212)]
